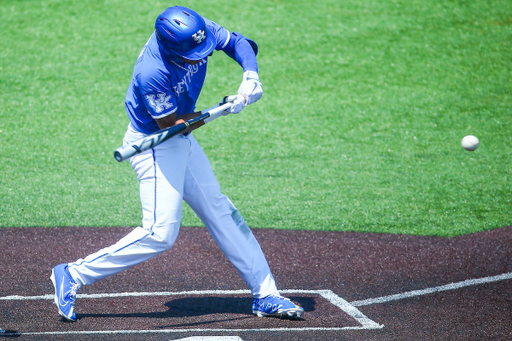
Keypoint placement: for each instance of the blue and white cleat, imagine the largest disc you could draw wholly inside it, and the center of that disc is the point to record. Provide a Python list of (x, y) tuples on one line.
[(276, 306), (65, 291)]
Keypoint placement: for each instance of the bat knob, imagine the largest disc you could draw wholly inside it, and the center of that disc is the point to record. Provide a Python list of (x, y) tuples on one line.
[(118, 156)]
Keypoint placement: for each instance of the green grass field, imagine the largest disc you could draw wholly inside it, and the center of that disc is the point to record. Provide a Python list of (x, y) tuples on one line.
[(359, 127)]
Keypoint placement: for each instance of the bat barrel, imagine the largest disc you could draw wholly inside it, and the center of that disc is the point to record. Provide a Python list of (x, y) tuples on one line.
[(124, 153)]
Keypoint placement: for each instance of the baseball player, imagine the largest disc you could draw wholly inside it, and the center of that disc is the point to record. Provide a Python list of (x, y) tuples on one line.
[(167, 80)]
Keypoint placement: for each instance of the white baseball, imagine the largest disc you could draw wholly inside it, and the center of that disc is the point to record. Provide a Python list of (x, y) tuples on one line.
[(470, 142)]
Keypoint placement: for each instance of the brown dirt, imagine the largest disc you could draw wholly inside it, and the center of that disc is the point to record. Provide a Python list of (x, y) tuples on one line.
[(355, 266)]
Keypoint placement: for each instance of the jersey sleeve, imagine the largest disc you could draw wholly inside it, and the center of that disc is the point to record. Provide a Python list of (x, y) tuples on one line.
[(159, 99), (160, 104), (221, 34), (235, 45)]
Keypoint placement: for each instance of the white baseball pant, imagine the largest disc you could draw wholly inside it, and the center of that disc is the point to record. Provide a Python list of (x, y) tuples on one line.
[(174, 171)]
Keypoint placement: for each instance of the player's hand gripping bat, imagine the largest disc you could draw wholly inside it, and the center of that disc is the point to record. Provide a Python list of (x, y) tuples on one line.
[(152, 140)]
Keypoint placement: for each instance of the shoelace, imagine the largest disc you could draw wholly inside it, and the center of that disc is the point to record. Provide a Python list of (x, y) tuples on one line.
[(280, 297), (73, 290)]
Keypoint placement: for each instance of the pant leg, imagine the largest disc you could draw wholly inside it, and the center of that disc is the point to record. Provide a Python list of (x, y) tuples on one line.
[(226, 224), (161, 173)]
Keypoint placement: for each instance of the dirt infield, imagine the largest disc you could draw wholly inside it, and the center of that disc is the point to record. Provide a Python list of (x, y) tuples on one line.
[(444, 288)]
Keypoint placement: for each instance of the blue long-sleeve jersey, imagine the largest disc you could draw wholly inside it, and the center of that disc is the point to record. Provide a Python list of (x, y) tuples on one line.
[(163, 84)]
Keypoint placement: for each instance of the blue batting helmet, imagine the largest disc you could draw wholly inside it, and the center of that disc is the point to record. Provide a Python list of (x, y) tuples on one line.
[(182, 31)]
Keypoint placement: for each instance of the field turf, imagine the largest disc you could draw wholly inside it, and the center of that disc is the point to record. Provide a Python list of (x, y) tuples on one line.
[(359, 127)]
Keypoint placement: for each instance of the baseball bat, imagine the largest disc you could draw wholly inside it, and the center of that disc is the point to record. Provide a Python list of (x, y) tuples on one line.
[(125, 152)]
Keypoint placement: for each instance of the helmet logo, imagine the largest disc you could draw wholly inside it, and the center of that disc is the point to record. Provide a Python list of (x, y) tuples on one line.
[(199, 36)]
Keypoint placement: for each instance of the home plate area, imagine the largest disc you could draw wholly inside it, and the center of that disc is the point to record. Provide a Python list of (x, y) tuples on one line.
[(352, 286), (220, 309), (195, 311)]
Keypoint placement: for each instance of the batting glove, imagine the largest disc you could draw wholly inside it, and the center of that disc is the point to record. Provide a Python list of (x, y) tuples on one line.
[(238, 104), (249, 91)]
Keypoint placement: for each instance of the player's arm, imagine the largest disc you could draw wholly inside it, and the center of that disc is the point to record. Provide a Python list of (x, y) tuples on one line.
[(162, 106), (243, 51), (169, 121)]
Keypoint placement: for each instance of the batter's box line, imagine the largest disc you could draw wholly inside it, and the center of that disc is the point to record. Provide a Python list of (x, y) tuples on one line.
[(422, 292), (348, 308), (329, 295)]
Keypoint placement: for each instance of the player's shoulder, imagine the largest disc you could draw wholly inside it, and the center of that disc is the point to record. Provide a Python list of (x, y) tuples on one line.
[(210, 23), (221, 34), (151, 69)]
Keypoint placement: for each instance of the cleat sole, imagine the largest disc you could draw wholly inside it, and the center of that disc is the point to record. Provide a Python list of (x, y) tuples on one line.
[(284, 314)]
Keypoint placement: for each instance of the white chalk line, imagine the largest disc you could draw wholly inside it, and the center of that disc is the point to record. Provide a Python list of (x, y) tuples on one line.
[(365, 322), (177, 331), (133, 294), (347, 307), (451, 286), (339, 302)]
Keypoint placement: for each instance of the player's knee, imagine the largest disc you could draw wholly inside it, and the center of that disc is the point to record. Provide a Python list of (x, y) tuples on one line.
[(164, 236), (160, 244)]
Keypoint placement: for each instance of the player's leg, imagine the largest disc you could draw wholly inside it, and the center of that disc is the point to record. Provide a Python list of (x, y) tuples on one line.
[(225, 224), (235, 239), (161, 173)]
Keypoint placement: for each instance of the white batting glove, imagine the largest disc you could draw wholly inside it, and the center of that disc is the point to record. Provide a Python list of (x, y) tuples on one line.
[(238, 104), (249, 91)]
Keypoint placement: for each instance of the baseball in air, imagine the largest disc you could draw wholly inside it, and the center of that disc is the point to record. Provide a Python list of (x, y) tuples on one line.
[(470, 142)]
